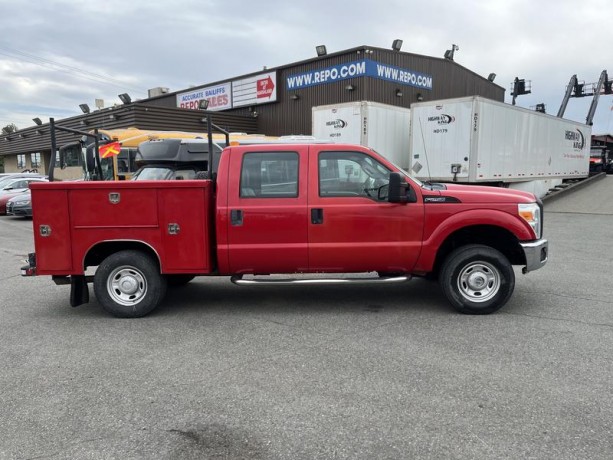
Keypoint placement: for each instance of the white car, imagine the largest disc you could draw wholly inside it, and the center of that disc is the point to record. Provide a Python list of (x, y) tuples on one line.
[(15, 187)]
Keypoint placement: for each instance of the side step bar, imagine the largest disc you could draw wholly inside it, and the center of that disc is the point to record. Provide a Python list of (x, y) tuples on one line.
[(285, 281)]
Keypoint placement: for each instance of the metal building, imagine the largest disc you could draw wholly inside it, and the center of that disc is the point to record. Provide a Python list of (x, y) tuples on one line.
[(281, 98)]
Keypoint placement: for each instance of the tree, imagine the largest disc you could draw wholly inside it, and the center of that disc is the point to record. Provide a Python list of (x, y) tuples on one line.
[(10, 128)]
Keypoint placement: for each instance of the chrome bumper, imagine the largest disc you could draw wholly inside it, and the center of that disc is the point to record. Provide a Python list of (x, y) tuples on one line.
[(536, 253)]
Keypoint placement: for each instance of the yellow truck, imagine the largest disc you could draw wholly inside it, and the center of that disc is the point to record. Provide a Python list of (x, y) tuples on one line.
[(122, 166), (110, 154)]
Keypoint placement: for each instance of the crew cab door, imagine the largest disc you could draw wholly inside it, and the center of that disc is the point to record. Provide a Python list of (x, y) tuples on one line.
[(267, 210), (350, 229)]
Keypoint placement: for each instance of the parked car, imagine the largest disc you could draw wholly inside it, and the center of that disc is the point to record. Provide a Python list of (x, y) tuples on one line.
[(14, 187), (5, 178), (20, 205)]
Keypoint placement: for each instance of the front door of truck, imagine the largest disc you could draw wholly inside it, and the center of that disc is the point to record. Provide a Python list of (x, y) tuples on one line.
[(350, 229), (267, 212)]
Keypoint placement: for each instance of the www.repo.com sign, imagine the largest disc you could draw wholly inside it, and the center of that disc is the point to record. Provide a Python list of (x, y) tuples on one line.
[(361, 68)]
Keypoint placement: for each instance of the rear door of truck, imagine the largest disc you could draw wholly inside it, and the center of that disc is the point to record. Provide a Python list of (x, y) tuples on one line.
[(266, 215)]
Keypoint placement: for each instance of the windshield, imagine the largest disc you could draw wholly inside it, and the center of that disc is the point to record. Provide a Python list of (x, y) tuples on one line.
[(406, 174), (4, 181), (107, 168), (153, 173), (165, 173)]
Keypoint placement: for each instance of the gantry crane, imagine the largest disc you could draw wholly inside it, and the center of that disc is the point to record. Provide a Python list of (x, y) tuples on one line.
[(576, 88)]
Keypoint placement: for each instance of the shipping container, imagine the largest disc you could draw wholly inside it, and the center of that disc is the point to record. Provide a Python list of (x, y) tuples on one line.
[(384, 128)]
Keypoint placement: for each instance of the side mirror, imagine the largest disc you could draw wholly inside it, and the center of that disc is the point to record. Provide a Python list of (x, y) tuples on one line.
[(73, 149), (90, 160), (399, 191)]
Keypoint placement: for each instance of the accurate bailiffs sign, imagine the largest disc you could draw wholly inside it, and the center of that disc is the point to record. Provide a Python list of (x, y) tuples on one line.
[(361, 68), (219, 97)]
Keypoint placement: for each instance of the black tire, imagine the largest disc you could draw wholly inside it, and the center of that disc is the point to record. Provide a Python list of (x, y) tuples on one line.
[(128, 284), (178, 280), (477, 279)]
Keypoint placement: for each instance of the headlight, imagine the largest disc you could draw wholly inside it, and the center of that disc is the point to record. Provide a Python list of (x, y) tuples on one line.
[(531, 213), (21, 203)]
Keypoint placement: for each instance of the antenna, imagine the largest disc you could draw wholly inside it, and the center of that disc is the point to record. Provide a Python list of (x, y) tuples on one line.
[(423, 140)]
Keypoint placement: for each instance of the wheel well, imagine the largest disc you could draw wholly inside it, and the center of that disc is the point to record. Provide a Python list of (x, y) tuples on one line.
[(488, 235), (101, 251)]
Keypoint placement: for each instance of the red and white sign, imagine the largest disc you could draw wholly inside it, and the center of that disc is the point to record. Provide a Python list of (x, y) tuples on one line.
[(219, 97), (265, 88), (259, 89)]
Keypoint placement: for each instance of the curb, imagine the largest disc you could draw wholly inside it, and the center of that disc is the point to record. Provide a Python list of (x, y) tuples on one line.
[(572, 188)]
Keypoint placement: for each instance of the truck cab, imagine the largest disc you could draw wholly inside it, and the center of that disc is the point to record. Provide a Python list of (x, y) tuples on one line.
[(599, 160)]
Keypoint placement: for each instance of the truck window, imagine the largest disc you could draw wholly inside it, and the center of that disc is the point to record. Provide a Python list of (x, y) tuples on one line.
[(126, 161), (73, 156), (350, 174), (269, 175)]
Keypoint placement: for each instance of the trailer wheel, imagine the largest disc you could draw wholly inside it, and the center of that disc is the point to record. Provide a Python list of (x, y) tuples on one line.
[(128, 284), (178, 280), (477, 279)]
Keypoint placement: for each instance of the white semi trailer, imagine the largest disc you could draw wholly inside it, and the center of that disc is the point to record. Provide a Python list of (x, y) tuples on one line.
[(382, 127), (478, 140)]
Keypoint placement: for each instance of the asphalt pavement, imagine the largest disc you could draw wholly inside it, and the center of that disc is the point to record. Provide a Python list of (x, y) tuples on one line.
[(318, 372)]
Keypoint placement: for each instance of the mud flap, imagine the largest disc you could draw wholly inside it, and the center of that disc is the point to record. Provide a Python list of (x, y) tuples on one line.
[(79, 292)]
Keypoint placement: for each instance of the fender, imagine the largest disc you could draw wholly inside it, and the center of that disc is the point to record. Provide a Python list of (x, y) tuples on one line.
[(119, 242), (495, 218)]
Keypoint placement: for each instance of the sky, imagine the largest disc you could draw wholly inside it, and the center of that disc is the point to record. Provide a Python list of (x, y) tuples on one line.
[(57, 54)]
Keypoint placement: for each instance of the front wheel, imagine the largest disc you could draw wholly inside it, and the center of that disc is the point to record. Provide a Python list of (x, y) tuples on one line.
[(477, 279), (128, 284)]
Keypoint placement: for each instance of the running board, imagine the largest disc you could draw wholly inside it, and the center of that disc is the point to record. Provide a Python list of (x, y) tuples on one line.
[(284, 281)]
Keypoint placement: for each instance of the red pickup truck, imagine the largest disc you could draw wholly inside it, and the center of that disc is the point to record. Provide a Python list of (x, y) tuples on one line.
[(307, 209)]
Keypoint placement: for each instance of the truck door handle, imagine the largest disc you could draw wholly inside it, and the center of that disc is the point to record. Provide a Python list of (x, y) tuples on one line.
[(317, 216), (236, 217)]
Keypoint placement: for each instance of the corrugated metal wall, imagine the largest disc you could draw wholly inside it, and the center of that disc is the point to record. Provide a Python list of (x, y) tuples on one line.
[(37, 139), (293, 115)]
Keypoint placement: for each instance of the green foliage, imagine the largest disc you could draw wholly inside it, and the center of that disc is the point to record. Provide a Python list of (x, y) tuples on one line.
[(10, 128)]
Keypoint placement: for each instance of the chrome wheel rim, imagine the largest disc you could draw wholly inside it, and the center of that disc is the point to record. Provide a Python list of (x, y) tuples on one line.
[(479, 282), (126, 285)]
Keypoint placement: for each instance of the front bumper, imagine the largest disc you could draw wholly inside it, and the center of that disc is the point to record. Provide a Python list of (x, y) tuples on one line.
[(22, 211), (536, 253)]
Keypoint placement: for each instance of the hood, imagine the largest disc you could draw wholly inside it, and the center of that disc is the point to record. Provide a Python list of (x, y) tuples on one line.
[(482, 194)]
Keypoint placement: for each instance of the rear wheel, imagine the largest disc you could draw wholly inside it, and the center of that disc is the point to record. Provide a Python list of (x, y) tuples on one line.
[(128, 284), (477, 279)]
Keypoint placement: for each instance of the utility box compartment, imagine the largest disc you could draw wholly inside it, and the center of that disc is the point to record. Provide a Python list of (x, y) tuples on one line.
[(51, 226), (172, 219)]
